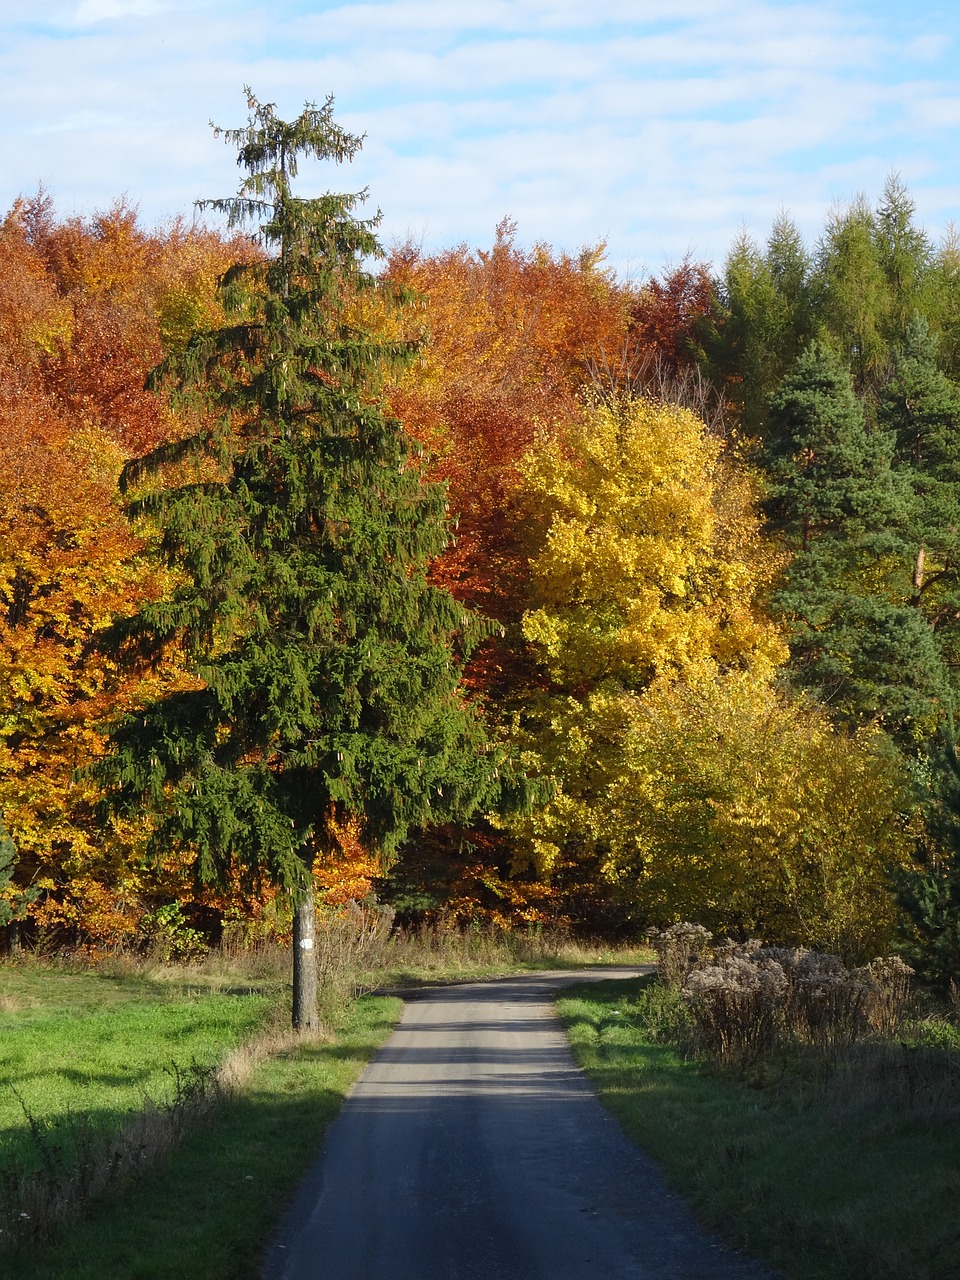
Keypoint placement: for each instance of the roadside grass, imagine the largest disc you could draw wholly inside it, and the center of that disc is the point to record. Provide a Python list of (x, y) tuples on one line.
[(208, 1210), (823, 1175), (432, 954)]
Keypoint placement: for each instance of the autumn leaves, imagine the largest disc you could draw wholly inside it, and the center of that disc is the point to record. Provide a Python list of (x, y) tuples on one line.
[(651, 580)]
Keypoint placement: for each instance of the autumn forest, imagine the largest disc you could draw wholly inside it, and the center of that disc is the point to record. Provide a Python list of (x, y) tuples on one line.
[(688, 621)]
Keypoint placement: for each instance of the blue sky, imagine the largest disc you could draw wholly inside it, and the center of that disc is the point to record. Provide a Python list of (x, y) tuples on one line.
[(660, 126)]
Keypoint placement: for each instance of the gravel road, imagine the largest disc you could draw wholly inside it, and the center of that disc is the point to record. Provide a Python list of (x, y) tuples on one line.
[(472, 1148)]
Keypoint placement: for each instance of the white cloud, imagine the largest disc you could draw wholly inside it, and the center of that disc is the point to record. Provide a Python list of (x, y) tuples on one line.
[(93, 11), (659, 125)]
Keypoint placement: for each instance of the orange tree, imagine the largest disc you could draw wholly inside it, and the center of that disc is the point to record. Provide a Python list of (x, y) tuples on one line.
[(85, 309)]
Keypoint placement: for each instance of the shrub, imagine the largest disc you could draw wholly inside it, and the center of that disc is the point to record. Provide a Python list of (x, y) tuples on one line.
[(746, 1000)]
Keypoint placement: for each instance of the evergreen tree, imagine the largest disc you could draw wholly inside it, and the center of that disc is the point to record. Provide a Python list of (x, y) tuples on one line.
[(829, 476), (762, 319), (326, 665), (930, 895), (836, 499), (905, 254), (14, 901), (853, 293), (921, 407)]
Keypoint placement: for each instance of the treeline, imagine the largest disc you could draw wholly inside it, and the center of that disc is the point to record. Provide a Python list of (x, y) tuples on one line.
[(714, 516)]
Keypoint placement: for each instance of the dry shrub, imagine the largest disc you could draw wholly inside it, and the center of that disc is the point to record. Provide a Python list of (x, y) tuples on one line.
[(746, 1000), (680, 949), (350, 946), (444, 946), (736, 1008)]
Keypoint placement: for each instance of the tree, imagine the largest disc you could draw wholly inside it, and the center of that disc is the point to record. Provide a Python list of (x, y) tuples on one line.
[(648, 563), (14, 901), (744, 809), (647, 555), (834, 496), (87, 308), (511, 334), (760, 321), (929, 892), (325, 665), (921, 408)]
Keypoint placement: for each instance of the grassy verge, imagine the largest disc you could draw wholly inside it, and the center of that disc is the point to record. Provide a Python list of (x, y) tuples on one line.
[(207, 1211), (822, 1181)]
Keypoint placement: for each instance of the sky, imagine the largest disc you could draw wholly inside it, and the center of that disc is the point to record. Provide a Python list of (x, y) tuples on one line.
[(662, 127)]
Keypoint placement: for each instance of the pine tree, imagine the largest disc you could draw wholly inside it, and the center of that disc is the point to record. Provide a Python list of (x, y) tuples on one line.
[(921, 408), (930, 894), (843, 511), (326, 665)]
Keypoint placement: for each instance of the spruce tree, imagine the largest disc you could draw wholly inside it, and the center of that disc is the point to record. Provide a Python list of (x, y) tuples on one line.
[(843, 511), (300, 528), (921, 408), (929, 894)]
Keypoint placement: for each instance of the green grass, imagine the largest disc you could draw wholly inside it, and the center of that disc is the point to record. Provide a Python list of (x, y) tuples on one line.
[(91, 1048), (208, 1211), (822, 1182)]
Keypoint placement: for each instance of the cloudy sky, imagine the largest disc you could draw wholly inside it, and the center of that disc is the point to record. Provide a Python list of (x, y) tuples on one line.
[(660, 126)]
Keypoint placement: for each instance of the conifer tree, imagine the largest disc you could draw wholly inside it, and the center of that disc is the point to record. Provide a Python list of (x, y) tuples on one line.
[(326, 665), (843, 511), (921, 407), (762, 319), (14, 900), (929, 894)]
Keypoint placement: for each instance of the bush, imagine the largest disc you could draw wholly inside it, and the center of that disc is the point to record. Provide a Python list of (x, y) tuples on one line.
[(745, 1000)]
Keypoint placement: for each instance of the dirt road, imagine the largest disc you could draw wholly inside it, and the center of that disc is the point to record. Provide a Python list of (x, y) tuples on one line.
[(472, 1148)]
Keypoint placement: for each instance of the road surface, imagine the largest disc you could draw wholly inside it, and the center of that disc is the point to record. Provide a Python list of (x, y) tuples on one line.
[(472, 1148)]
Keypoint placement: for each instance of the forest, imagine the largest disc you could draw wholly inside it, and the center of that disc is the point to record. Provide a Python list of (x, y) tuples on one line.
[(686, 550)]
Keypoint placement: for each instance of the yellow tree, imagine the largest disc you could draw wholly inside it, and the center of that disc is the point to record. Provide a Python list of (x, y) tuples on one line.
[(646, 561), (647, 550), (748, 811), (685, 781)]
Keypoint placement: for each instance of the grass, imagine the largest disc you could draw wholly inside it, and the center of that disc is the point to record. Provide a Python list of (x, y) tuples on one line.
[(821, 1176), (102, 1060), (208, 1210)]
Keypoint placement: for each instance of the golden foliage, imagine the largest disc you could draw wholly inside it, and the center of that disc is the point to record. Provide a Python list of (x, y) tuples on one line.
[(648, 553)]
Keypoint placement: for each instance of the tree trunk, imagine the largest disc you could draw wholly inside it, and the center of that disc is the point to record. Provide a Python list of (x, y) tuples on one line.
[(306, 1017), (918, 573)]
